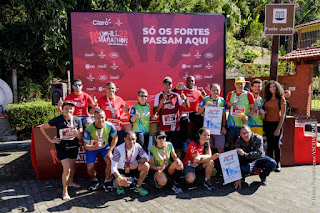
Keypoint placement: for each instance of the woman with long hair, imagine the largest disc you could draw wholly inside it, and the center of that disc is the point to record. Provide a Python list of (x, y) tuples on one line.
[(275, 107), (198, 157)]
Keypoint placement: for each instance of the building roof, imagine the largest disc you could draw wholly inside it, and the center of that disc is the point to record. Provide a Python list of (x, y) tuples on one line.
[(307, 24), (305, 53)]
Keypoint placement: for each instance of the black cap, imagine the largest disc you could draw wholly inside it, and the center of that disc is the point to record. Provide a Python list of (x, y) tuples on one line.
[(160, 134), (167, 79), (67, 103)]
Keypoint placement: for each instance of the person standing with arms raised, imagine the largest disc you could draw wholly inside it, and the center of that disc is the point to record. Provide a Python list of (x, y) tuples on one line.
[(166, 104), (81, 102), (275, 107), (111, 104)]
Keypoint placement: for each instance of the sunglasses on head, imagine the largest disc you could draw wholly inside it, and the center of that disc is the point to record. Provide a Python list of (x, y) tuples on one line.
[(77, 84)]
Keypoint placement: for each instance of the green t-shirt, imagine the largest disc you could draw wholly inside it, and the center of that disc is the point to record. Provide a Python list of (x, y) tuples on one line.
[(242, 106), (141, 124), (157, 154), (256, 119)]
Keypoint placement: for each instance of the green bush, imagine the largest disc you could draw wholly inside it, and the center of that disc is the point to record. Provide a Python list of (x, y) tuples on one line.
[(250, 55), (23, 116)]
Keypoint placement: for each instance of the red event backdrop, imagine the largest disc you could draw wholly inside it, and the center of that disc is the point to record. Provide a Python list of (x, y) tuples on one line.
[(137, 50)]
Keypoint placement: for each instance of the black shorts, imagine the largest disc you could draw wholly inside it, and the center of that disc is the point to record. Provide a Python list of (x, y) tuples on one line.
[(175, 138), (152, 172), (190, 169), (132, 173), (65, 152)]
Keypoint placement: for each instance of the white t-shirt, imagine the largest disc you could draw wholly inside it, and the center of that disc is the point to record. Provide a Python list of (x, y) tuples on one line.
[(119, 159)]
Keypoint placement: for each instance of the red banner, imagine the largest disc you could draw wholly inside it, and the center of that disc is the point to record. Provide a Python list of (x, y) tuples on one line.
[(137, 50)]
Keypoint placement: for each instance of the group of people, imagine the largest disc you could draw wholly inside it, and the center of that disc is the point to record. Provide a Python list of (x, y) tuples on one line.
[(181, 146)]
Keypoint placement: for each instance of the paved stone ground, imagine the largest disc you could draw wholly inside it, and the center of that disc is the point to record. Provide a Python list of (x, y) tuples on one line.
[(288, 191)]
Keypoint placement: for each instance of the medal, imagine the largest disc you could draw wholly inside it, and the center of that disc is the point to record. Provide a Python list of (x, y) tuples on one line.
[(112, 109), (127, 169)]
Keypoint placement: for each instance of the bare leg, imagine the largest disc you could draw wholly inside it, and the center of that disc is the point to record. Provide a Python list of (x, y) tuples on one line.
[(65, 178), (161, 178), (190, 177), (208, 168), (144, 169), (108, 168), (71, 183), (92, 173)]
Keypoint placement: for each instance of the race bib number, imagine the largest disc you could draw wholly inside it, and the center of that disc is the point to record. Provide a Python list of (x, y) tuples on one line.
[(116, 123), (236, 111), (67, 134), (103, 142), (169, 119)]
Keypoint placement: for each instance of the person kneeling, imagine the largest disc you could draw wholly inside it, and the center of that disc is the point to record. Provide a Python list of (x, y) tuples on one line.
[(251, 156), (199, 157), (125, 166), (164, 161)]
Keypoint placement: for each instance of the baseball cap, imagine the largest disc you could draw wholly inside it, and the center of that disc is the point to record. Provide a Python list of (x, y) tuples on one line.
[(240, 80), (160, 134), (167, 79), (67, 103)]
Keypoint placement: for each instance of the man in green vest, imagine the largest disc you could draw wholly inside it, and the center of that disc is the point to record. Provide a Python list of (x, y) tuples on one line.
[(256, 120), (241, 107)]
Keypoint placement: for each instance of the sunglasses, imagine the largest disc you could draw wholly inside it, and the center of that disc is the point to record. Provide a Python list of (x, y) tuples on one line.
[(162, 137), (77, 84), (143, 96)]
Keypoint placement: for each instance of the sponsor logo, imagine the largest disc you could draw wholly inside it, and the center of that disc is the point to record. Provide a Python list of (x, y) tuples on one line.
[(104, 22), (90, 78), (91, 88), (89, 54), (168, 106), (186, 55), (197, 66), (114, 55), (103, 77), (197, 77), (118, 22), (115, 77), (185, 75), (102, 66), (101, 89), (208, 66), (208, 55), (101, 55), (185, 66), (197, 55), (208, 76), (113, 66), (88, 66)]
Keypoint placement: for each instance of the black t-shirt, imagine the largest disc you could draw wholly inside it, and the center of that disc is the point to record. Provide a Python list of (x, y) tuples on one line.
[(60, 123)]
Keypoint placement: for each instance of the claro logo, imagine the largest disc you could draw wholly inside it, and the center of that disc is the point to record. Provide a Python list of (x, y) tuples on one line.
[(98, 22)]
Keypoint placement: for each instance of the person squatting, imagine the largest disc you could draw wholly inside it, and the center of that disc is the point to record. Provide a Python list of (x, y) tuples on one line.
[(181, 149)]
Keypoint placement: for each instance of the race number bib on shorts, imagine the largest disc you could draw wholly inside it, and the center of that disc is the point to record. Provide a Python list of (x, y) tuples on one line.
[(185, 114), (236, 111), (116, 123), (67, 134), (169, 119)]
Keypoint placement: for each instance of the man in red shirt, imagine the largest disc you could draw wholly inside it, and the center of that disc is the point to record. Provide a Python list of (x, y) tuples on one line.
[(195, 97), (167, 104), (81, 101), (113, 106)]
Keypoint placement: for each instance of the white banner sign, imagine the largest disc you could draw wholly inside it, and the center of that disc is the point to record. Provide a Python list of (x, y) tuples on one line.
[(230, 166), (213, 119)]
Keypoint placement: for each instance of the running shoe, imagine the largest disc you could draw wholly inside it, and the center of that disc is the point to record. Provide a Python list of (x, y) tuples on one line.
[(108, 186), (141, 190), (158, 186), (177, 189), (94, 185), (209, 184), (120, 190)]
